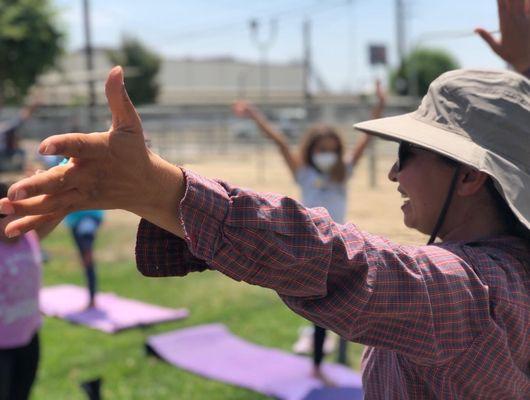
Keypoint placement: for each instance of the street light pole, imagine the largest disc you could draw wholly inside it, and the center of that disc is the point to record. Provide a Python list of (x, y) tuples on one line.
[(400, 30), (89, 62), (263, 45)]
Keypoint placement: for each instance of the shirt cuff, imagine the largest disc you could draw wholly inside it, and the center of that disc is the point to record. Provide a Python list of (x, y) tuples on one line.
[(160, 253), (203, 210)]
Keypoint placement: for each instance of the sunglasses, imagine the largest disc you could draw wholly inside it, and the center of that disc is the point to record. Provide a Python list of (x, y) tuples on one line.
[(404, 153)]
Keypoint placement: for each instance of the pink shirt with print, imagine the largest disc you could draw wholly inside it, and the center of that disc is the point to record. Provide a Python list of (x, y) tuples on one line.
[(20, 280)]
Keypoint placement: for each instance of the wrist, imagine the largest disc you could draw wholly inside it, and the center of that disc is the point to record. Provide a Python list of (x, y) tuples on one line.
[(163, 191), (522, 66), (526, 72)]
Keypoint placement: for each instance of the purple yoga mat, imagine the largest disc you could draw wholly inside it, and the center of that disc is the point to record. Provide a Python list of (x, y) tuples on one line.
[(111, 314), (214, 352)]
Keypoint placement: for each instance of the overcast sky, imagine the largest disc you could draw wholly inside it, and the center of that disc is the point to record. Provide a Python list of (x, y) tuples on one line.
[(341, 30)]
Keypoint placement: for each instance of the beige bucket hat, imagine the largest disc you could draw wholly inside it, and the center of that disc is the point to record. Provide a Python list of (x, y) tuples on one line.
[(480, 118)]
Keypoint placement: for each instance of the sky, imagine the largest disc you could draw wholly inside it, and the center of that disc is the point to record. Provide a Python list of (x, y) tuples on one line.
[(341, 30)]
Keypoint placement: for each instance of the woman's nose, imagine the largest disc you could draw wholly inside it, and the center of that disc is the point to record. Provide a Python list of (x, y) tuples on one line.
[(392, 174)]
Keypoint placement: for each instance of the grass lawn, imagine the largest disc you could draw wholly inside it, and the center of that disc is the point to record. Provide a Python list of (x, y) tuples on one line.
[(72, 354)]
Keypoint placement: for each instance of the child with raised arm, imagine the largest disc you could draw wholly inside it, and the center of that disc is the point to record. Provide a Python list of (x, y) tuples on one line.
[(322, 170)]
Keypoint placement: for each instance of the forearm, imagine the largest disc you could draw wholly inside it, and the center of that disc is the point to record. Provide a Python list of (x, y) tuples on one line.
[(360, 146), (377, 111), (266, 127)]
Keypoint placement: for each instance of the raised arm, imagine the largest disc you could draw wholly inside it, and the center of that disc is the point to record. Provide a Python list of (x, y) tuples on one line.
[(244, 109), (514, 43), (28, 110), (365, 139)]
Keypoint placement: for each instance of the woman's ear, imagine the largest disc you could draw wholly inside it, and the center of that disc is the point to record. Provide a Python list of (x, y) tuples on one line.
[(471, 181)]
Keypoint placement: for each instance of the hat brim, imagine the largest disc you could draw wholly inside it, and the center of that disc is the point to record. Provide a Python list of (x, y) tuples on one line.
[(409, 129), (513, 183)]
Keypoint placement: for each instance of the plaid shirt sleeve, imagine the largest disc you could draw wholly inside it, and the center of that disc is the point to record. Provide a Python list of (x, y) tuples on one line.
[(424, 302)]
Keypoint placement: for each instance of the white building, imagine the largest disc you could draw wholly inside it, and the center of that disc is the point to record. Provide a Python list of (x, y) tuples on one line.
[(182, 81)]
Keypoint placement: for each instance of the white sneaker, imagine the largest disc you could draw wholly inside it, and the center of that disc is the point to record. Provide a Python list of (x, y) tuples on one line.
[(304, 344), (330, 342)]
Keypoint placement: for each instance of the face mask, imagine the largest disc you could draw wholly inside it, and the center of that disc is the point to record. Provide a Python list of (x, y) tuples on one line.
[(325, 161)]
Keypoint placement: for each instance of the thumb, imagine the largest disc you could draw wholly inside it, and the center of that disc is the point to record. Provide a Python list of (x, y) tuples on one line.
[(124, 115), (490, 40)]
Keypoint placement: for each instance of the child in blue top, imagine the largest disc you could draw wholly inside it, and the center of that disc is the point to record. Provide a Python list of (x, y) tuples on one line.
[(84, 226), (322, 171)]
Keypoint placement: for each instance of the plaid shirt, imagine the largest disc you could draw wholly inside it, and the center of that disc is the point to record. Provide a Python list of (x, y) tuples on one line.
[(446, 321)]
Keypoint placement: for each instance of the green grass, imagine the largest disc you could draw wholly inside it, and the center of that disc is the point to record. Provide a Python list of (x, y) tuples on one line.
[(72, 354)]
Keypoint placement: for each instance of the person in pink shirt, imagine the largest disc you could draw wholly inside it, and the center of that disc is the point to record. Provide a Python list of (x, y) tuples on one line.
[(20, 320)]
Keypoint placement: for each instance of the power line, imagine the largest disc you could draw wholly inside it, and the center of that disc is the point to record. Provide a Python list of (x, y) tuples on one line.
[(284, 15)]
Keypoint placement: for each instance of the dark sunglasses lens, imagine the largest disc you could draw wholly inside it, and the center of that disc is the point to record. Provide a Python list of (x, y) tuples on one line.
[(401, 156), (404, 152)]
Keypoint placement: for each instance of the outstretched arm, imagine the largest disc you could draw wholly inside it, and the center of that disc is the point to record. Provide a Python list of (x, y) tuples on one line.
[(355, 284), (247, 110), (365, 139), (514, 44), (358, 285)]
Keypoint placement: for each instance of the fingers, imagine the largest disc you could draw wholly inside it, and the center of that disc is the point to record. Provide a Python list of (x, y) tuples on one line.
[(240, 108), (78, 145), (56, 180), (44, 204), (490, 40), (124, 115), (517, 7), (26, 224)]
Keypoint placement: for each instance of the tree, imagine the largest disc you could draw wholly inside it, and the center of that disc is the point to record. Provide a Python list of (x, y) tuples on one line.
[(144, 66), (419, 69), (29, 45)]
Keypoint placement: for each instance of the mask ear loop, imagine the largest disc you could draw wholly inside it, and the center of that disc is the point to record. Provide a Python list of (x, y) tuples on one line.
[(445, 207)]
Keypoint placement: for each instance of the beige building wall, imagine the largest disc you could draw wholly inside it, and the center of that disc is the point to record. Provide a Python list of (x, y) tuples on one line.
[(182, 81)]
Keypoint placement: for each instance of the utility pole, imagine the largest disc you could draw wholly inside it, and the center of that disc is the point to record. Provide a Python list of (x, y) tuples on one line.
[(89, 62), (263, 44), (400, 30), (306, 34)]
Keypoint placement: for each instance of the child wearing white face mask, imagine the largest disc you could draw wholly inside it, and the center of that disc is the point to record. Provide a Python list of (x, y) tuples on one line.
[(322, 170)]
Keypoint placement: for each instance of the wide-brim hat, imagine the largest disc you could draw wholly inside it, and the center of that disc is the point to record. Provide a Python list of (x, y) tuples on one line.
[(477, 117)]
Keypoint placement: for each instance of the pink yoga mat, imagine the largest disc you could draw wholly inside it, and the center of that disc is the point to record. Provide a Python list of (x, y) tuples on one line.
[(214, 352), (111, 314)]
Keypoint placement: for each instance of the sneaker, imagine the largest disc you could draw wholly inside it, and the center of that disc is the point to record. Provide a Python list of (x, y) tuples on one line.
[(304, 344), (330, 342)]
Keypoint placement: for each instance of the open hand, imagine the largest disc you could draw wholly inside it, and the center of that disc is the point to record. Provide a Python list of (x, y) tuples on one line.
[(243, 109), (514, 44), (106, 170)]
